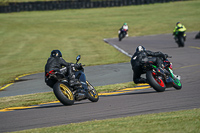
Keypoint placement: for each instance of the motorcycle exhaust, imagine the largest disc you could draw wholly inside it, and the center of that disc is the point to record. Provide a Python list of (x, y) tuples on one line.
[(80, 96)]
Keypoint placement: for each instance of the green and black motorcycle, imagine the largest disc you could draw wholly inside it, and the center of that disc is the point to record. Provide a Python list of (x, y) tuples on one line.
[(180, 38), (161, 79)]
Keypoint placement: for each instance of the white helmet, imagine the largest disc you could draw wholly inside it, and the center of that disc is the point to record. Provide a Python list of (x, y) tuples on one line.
[(140, 48)]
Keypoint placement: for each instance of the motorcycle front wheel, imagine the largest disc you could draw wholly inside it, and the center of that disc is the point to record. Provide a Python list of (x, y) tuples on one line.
[(63, 93), (92, 93), (120, 36), (156, 83), (177, 84)]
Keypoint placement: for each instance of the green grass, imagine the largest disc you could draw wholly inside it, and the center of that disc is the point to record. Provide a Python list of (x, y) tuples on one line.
[(27, 38), (186, 121), (38, 98)]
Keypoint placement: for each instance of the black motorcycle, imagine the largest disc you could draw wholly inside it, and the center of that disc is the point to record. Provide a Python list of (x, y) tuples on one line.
[(197, 35), (122, 34), (66, 94), (161, 79), (180, 39)]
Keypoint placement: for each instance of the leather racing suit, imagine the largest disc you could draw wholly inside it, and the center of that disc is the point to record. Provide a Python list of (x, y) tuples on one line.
[(60, 65), (136, 63)]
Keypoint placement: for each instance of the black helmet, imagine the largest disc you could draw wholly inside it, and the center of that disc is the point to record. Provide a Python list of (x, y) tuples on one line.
[(56, 53), (140, 48), (178, 23)]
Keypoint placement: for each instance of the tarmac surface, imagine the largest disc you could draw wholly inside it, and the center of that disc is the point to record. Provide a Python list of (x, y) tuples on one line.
[(185, 61)]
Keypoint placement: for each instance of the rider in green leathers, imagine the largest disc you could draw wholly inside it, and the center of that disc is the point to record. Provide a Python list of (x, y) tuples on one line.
[(179, 29)]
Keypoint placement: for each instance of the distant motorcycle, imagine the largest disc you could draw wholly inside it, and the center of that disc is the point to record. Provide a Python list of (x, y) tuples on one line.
[(68, 95), (160, 80), (197, 35), (180, 39), (122, 34)]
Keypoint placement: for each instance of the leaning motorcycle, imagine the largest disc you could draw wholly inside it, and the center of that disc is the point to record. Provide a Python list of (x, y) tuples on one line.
[(180, 39), (66, 94), (159, 79), (122, 34)]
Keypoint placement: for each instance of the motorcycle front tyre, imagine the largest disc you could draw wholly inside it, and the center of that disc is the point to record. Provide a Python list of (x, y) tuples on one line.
[(120, 36), (63, 93), (92, 93), (176, 85), (155, 84)]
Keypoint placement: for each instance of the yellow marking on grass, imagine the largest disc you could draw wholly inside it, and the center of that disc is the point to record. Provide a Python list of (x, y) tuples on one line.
[(142, 84), (124, 90), (50, 102), (27, 107), (5, 86), (16, 108), (17, 78)]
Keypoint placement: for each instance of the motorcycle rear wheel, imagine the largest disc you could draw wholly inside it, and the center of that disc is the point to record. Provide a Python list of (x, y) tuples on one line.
[(181, 41), (63, 93), (157, 84), (92, 93)]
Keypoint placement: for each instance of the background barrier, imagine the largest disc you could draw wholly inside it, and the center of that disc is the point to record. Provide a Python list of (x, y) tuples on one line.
[(71, 4)]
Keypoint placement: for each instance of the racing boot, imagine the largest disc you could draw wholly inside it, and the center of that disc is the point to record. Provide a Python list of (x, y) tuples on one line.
[(169, 80)]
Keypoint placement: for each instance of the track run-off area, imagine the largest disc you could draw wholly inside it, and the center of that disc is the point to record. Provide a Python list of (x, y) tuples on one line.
[(127, 102)]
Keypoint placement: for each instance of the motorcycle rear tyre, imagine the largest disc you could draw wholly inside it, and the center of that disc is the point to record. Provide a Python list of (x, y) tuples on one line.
[(181, 41), (91, 92), (63, 93), (152, 82)]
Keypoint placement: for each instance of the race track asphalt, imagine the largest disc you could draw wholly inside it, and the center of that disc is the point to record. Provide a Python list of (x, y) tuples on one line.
[(185, 61)]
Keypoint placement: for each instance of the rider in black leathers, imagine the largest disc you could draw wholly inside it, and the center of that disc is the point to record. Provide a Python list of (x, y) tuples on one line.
[(141, 55), (57, 63)]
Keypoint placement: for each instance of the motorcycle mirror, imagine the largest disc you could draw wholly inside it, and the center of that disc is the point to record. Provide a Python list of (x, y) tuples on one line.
[(78, 58)]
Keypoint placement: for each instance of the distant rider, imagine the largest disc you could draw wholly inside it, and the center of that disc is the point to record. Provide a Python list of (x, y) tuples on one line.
[(124, 28), (56, 63), (141, 55), (179, 30)]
